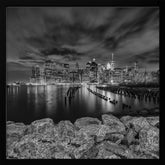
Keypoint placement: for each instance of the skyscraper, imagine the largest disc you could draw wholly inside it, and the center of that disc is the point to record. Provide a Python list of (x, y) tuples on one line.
[(112, 63)]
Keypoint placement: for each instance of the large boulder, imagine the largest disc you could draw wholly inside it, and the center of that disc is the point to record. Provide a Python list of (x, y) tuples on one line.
[(90, 130), (14, 132), (66, 130), (86, 121), (41, 126), (87, 138), (110, 150), (31, 147), (25, 148), (80, 145), (137, 122), (119, 150), (43, 129), (9, 122), (139, 154), (130, 137), (75, 146), (149, 139), (101, 132), (154, 120), (104, 153), (15, 128), (106, 133), (114, 123), (91, 153), (125, 119)]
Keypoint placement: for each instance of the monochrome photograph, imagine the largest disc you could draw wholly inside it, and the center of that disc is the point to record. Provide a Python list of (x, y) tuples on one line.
[(82, 82)]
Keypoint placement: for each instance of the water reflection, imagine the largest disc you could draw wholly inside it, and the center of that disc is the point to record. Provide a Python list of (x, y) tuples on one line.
[(133, 104), (49, 101), (91, 103)]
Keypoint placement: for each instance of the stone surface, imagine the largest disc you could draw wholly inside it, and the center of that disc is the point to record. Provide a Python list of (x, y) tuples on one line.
[(130, 137), (85, 121), (114, 123), (119, 150), (87, 138), (149, 139), (41, 126), (83, 147), (14, 132), (137, 122), (154, 121), (125, 119), (90, 130), (66, 130), (104, 153)]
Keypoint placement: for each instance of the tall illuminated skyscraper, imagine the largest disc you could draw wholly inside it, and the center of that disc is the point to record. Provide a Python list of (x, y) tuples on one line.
[(112, 63)]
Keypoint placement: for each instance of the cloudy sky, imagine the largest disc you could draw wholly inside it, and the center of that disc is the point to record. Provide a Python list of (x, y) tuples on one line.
[(79, 34)]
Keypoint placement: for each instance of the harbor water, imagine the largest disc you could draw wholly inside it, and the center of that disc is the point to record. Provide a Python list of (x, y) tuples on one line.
[(28, 103)]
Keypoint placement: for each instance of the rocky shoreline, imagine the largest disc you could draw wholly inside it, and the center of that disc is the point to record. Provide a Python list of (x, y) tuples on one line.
[(87, 138)]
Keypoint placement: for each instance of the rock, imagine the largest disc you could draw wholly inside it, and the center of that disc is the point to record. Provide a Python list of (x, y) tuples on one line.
[(125, 119), (79, 139), (151, 155), (141, 154), (85, 121), (86, 139), (130, 137), (82, 149), (149, 139), (32, 147), (66, 130), (101, 132), (114, 137), (105, 154), (9, 122), (91, 153), (25, 148), (114, 123), (43, 130), (14, 132), (114, 151), (154, 121), (15, 128), (76, 146), (119, 150), (90, 130), (41, 126), (62, 155), (137, 122)]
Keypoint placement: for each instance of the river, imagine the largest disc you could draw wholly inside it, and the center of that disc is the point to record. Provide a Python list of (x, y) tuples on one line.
[(28, 103)]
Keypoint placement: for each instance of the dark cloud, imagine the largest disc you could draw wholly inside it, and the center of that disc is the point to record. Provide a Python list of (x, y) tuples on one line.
[(26, 58), (60, 51), (151, 56), (16, 66), (70, 34)]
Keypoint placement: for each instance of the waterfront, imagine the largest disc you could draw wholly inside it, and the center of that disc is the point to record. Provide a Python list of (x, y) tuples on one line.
[(28, 103)]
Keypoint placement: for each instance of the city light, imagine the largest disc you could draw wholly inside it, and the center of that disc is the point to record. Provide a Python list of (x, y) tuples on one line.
[(110, 73)]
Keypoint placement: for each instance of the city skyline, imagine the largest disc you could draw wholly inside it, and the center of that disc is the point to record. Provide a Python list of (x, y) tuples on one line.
[(79, 34)]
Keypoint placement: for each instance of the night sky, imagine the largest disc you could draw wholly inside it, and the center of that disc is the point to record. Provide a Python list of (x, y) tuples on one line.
[(79, 34)]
